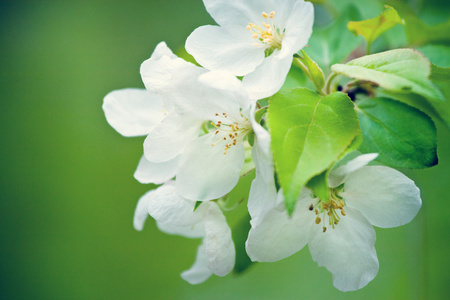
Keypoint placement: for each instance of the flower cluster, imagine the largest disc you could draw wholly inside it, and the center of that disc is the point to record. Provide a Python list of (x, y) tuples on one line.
[(205, 129)]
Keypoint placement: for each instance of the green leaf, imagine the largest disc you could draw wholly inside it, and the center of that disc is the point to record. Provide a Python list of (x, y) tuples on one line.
[(439, 111), (401, 70), (319, 186), (319, 183), (437, 54), (403, 136), (239, 235), (260, 113), (440, 74), (417, 31), (309, 132), (334, 43), (315, 72), (371, 29), (357, 141)]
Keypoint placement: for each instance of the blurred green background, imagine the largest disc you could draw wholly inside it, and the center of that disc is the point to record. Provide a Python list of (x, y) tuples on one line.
[(67, 188)]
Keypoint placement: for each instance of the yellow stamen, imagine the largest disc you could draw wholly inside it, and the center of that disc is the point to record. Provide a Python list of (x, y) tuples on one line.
[(234, 130), (329, 210), (267, 34)]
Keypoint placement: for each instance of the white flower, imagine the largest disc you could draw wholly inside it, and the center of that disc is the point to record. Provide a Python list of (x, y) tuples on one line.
[(175, 112), (206, 131), (339, 234), (175, 215), (255, 39), (137, 112)]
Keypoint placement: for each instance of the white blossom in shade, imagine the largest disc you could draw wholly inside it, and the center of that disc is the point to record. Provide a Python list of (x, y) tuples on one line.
[(254, 39), (176, 215), (339, 233)]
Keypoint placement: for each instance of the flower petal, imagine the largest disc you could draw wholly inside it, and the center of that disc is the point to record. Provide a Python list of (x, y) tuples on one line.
[(339, 175), (298, 27), (157, 173), (268, 77), (262, 135), (234, 12), (196, 99), (164, 71), (141, 212), (347, 251), (220, 253), (225, 48), (199, 272), (133, 112), (386, 197), (168, 207), (169, 138), (263, 192), (205, 172), (162, 50), (223, 80), (238, 12), (194, 231), (277, 235)]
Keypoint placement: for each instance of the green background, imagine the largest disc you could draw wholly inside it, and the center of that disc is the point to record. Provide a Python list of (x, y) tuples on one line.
[(67, 188)]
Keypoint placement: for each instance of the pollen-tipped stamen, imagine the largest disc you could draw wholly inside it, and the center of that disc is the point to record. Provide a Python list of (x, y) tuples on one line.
[(328, 210), (233, 132), (267, 35)]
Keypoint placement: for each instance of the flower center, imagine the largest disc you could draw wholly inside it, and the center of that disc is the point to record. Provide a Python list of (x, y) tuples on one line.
[(327, 212), (231, 130), (267, 35)]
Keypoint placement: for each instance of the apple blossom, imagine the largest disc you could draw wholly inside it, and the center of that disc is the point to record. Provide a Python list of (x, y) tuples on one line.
[(177, 215), (207, 131), (137, 112), (254, 39), (339, 232), (181, 104)]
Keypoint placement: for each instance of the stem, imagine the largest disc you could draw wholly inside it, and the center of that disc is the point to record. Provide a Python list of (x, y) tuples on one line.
[(368, 48), (299, 64), (329, 81), (305, 70), (349, 86)]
